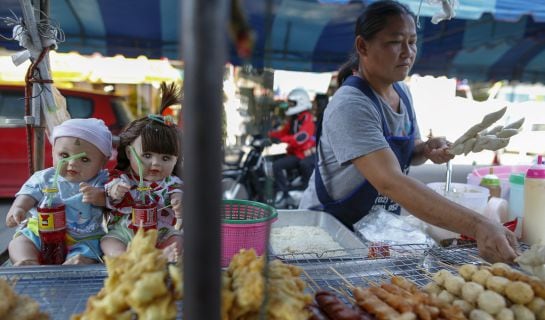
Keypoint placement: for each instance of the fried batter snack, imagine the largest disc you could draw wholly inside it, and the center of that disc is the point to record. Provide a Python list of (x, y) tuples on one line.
[(244, 287), (15, 307), (140, 282)]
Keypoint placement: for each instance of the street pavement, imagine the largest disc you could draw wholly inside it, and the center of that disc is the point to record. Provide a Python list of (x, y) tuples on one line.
[(5, 233)]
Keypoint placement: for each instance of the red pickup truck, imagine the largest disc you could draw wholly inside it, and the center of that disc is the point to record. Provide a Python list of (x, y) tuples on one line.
[(13, 147)]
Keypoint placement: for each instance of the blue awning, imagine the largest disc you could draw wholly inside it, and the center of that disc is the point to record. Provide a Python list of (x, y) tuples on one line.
[(488, 39)]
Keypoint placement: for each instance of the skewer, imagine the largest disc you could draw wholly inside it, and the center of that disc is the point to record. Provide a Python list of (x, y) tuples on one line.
[(388, 272), (344, 294), (349, 285), (311, 280), (450, 266), (427, 274)]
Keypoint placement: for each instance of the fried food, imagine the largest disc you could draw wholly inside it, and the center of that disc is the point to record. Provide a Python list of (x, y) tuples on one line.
[(140, 283), (16, 307), (244, 287)]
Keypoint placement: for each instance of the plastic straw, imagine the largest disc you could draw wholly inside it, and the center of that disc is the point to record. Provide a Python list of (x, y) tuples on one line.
[(140, 172), (61, 163), (139, 165)]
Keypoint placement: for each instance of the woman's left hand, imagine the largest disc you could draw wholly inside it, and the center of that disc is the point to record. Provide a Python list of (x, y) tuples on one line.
[(436, 148)]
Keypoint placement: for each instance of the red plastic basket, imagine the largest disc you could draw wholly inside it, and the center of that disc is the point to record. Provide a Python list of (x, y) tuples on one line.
[(245, 225)]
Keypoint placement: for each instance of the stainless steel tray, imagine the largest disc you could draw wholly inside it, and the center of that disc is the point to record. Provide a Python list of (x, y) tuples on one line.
[(346, 238)]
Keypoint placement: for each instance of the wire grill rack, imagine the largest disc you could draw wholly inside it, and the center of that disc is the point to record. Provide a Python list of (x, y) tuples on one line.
[(416, 263), (61, 292), (64, 292)]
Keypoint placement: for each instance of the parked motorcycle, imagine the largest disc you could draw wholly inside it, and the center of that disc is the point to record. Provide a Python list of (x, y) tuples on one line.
[(250, 177)]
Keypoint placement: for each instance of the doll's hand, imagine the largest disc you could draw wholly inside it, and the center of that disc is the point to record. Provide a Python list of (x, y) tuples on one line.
[(15, 216), (92, 195), (176, 202), (117, 189)]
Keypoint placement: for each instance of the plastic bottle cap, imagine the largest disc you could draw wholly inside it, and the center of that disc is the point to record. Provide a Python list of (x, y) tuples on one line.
[(537, 171), (517, 178), (490, 180)]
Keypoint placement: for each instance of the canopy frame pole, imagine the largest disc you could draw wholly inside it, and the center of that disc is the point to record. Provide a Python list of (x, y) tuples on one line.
[(204, 53)]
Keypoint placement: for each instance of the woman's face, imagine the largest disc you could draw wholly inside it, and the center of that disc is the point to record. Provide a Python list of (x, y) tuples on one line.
[(80, 169), (156, 166), (390, 54)]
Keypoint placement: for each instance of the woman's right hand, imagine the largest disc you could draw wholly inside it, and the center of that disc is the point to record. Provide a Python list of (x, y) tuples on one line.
[(15, 216), (495, 242)]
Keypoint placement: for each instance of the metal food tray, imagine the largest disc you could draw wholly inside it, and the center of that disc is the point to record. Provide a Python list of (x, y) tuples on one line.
[(341, 234), (60, 291)]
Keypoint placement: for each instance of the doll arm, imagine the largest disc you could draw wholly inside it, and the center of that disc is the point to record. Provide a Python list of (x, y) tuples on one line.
[(21, 205), (92, 195), (116, 190), (176, 202)]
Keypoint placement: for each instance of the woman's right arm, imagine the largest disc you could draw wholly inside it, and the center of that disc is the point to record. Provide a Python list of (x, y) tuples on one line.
[(382, 170)]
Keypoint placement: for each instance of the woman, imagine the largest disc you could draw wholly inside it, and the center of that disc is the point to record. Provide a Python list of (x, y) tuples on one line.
[(370, 138)]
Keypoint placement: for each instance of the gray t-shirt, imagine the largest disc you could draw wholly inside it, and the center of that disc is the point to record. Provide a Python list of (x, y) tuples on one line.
[(352, 128)]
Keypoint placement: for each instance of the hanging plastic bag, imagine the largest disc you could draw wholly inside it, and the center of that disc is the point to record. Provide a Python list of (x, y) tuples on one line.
[(54, 114)]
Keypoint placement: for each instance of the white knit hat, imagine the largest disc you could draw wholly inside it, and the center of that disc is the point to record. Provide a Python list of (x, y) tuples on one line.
[(91, 130)]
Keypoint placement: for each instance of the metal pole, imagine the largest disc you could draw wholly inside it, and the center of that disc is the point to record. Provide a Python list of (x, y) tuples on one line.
[(203, 51)]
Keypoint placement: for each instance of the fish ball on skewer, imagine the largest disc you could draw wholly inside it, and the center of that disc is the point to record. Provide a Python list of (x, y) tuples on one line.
[(471, 291), (505, 314), (453, 284), (440, 276), (522, 313), (519, 292), (432, 288), (477, 314), (536, 305), (446, 297), (497, 284), (464, 305), (491, 302), (467, 270), (481, 276)]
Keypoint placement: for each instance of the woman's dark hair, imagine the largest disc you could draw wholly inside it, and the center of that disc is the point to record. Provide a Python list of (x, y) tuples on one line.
[(348, 68), (159, 135), (373, 18)]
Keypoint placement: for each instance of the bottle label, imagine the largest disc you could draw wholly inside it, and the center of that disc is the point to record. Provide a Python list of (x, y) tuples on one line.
[(51, 221), (145, 217)]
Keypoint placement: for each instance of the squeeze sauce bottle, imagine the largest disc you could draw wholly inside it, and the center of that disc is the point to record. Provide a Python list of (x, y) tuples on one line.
[(144, 210), (492, 183), (52, 228), (533, 227)]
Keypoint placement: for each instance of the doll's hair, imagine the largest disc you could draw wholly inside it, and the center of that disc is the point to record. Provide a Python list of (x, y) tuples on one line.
[(158, 134)]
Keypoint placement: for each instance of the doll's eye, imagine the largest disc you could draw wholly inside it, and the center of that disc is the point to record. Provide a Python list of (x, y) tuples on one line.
[(85, 159), (63, 155), (147, 155), (166, 158)]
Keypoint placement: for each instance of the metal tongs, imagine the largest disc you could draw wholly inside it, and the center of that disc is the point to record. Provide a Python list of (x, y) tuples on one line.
[(448, 177)]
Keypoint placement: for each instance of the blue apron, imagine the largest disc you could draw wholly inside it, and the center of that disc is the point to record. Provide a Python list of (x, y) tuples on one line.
[(365, 197)]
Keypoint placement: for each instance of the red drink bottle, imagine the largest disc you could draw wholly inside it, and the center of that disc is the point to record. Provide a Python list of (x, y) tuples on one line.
[(144, 210), (52, 228)]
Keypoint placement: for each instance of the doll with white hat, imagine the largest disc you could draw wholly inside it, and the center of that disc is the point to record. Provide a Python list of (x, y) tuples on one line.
[(80, 183)]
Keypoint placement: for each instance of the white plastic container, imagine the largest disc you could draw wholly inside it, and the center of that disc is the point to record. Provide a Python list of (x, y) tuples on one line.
[(469, 196), (533, 226)]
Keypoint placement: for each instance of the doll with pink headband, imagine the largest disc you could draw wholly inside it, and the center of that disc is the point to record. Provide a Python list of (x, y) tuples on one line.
[(80, 185), (156, 142)]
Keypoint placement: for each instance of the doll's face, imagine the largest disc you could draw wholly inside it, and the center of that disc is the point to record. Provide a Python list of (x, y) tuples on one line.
[(156, 166), (81, 169)]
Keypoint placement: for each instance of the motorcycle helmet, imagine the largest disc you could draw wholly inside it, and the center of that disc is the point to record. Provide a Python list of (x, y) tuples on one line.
[(298, 101)]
